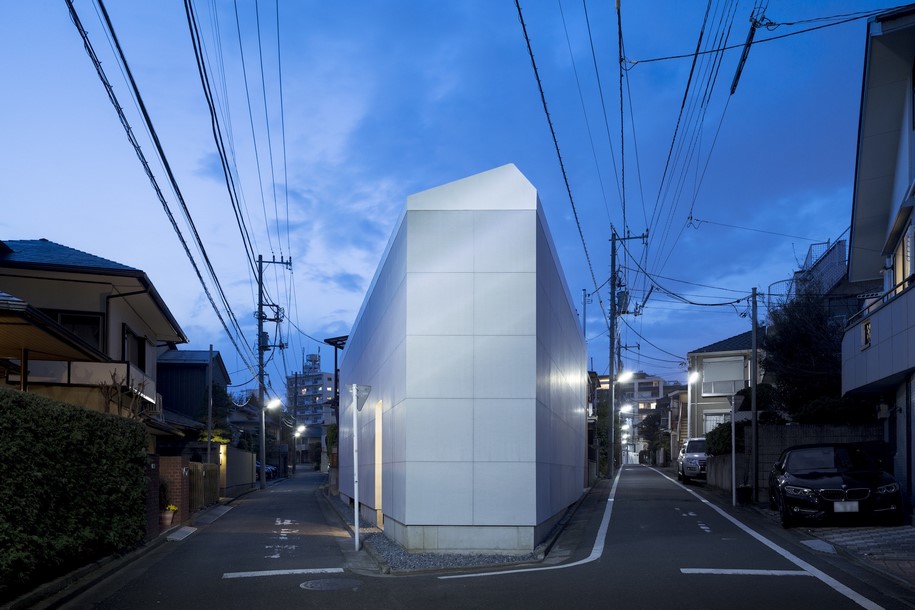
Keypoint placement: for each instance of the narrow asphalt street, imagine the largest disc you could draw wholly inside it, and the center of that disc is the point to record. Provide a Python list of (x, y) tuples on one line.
[(644, 542)]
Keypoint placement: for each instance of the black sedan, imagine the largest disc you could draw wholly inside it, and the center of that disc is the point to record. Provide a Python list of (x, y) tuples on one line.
[(819, 481)]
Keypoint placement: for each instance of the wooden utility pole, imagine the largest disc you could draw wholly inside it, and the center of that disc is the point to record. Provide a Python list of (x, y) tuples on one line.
[(614, 352), (753, 380), (263, 345)]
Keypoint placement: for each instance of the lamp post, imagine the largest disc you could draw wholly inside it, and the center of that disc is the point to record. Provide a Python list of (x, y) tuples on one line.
[(692, 378), (300, 434), (263, 468)]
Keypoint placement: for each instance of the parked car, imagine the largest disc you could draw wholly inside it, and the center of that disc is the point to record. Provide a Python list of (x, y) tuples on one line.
[(827, 479), (269, 469), (693, 460)]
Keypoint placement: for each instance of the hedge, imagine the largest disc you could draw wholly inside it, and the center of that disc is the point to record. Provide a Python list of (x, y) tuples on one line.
[(72, 488)]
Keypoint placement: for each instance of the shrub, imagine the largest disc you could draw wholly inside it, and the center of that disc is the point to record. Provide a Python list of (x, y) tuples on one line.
[(718, 440), (72, 488)]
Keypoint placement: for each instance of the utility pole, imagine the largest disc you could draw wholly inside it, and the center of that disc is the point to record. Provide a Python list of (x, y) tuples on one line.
[(209, 403), (753, 375), (263, 345), (611, 409)]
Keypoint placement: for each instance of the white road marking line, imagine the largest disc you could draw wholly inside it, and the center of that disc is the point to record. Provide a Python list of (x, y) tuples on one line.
[(257, 574), (819, 574), (602, 532), (726, 572), (596, 551)]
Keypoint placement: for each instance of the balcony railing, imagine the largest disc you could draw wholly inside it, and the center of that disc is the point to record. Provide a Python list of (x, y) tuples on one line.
[(877, 302)]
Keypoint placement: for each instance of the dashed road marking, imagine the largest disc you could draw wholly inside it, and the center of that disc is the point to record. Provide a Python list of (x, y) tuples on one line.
[(727, 572)]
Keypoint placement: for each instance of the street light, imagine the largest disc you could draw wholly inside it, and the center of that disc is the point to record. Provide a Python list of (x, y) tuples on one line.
[(263, 468), (692, 378), (299, 433)]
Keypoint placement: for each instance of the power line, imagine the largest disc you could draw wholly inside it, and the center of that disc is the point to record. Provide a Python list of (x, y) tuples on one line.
[(130, 136), (581, 97), (862, 15), (257, 160), (565, 177)]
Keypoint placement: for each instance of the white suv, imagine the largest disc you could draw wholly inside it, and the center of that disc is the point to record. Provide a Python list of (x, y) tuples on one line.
[(691, 463)]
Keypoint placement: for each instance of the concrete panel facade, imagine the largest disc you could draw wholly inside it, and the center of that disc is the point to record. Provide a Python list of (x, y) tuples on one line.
[(470, 341)]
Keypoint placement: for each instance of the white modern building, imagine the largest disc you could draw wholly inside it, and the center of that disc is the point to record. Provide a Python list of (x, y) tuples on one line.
[(473, 436), (878, 357)]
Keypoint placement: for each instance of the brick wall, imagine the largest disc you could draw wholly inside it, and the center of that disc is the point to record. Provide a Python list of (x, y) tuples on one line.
[(172, 472)]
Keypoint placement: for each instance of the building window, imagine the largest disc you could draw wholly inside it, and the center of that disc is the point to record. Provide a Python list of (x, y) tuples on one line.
[(723, 376), (713, 420), (134, 349), (86, 326), (866, 334)]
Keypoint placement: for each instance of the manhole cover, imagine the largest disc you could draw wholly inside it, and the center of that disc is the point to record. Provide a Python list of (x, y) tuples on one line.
[(331, 584)]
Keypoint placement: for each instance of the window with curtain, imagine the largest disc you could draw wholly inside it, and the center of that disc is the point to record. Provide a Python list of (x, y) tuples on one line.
[(723, 376)]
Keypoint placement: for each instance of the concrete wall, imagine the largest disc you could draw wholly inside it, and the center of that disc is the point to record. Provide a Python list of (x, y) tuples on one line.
[(236, 471), (473, 435), (772, 440)]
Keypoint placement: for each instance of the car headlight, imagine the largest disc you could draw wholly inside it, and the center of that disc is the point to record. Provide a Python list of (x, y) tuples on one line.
[(800, 492), (692, 461), (888, 489)]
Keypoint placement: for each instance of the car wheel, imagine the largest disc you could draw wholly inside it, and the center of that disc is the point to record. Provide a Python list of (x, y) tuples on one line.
[(685, 480), (895, 518), (679, 475), (773, 505), (785, 515)]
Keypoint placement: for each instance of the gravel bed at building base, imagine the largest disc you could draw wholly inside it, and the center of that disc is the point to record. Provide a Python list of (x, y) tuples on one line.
[(398, 559), (394, 558)]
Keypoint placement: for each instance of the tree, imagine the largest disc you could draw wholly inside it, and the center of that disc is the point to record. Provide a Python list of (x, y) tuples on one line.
[(767, 398), (803, 351), (222, 406)]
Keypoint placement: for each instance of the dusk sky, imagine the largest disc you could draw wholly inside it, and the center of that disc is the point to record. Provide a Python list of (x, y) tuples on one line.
[(340, 110)]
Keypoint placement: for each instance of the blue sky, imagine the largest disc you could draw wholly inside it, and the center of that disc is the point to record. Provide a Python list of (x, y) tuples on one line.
[(379, 100)]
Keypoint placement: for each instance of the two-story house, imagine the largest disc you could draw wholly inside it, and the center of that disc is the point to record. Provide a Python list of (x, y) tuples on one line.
[(878, 349), (717, 372), (83, 330)]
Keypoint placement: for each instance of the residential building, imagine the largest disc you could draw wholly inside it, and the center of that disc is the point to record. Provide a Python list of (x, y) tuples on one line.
[(310, 396), (472, 436), (824, 273), (878, 359), (642, 391), (183, 375), (636, 398), (83, 330), (723, 367), (721, 370)]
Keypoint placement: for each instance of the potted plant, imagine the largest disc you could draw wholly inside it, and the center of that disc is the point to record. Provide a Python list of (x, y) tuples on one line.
[(167, 509)]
